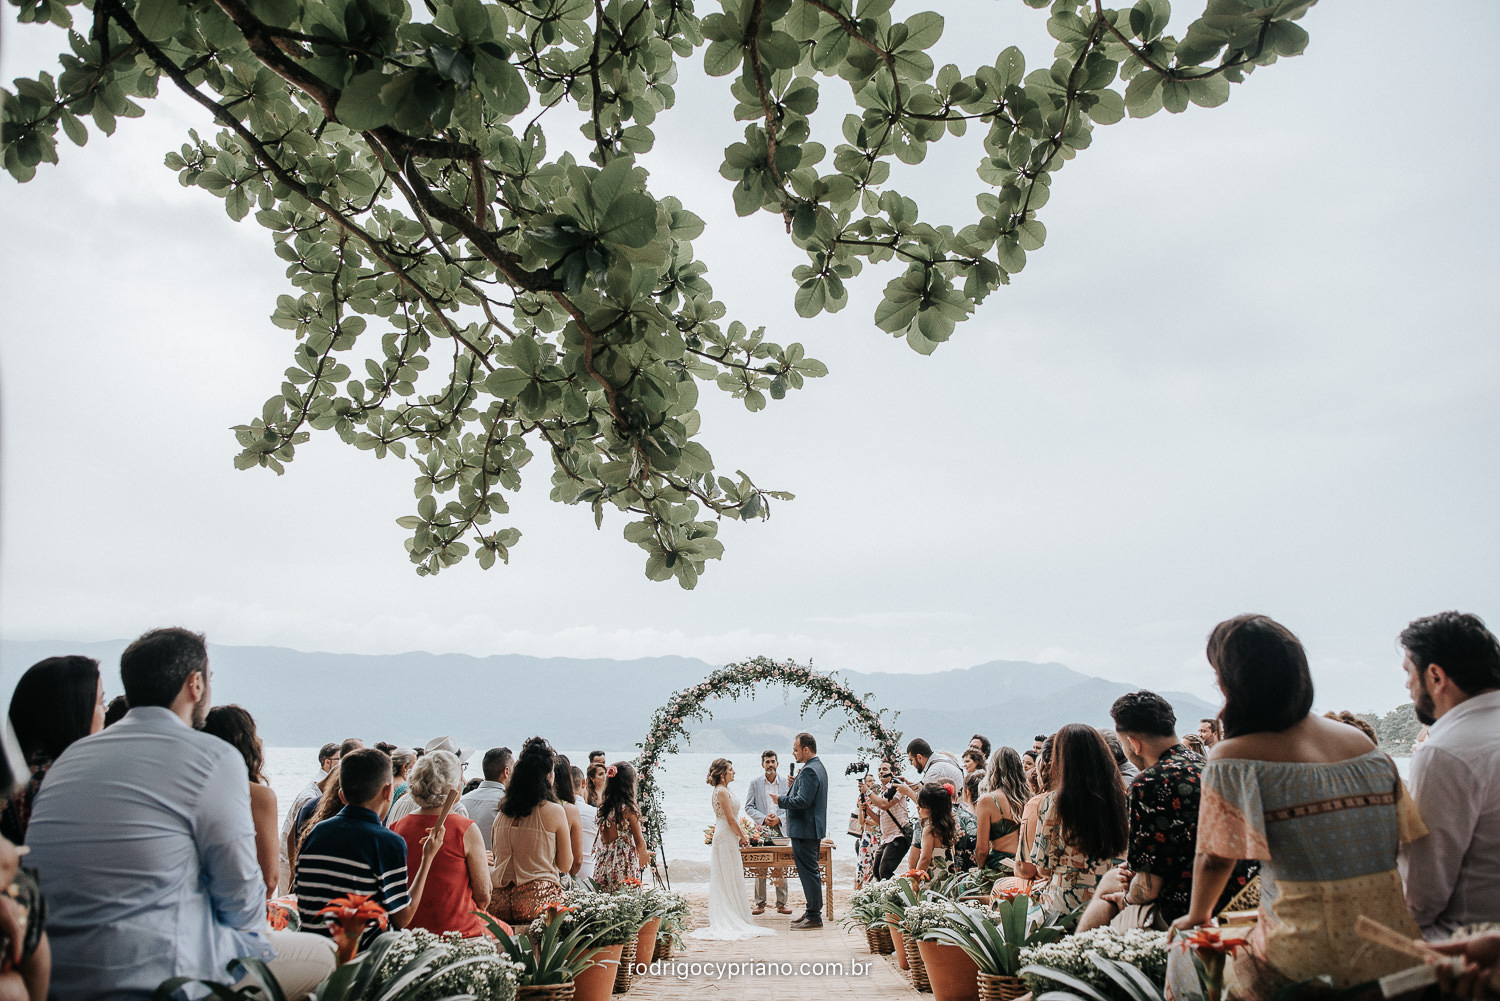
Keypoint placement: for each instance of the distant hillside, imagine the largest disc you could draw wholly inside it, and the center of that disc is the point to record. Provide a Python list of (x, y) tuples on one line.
[(304, 699)]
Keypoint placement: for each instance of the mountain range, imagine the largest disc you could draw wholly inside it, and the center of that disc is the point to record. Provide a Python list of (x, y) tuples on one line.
[(306, 699)]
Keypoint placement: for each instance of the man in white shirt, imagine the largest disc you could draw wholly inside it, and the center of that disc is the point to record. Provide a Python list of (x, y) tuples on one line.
[(1452, 875), (760, 808), (142, 838), (484, 802)]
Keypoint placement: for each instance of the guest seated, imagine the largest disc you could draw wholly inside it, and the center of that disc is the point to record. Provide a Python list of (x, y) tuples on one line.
[(116, 710), (236, 727), (1004, 801), (597, 775), (1453, 675), (1084, 822), (562, 785), (312, 814), (484, 802), (402, 760), (1028, 765), (972, 761), (1155, 885), (143, 840), (404, 805), (25, 952), (57, 701), (588, 818), (1128, 771), (1319, 806), (328, 756), (622, 854), (940, 831), (1194, 743), (353, 852), (458, 882), (1044, 781), (532, 842), (979, 742)]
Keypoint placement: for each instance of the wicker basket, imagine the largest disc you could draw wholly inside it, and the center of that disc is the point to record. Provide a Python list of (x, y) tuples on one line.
[(995, 987), (663, 948), (623, 975), (545, 992), (879, 939), (918, 968)]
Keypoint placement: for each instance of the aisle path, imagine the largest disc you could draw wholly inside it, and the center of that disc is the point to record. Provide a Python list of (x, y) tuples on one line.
[(829, 964)]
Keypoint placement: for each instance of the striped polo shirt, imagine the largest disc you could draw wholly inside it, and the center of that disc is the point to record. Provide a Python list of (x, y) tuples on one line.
[(350, 852)]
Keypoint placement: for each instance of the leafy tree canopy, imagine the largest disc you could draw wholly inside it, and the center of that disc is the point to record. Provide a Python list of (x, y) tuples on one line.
[(463, 296)]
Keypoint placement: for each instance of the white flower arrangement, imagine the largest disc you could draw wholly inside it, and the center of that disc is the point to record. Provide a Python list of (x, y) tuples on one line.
[(920, 919), (493, 978), (1144, 950), (613, 918)]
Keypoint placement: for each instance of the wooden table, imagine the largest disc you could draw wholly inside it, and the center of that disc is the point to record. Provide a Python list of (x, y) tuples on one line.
[(775, 861)]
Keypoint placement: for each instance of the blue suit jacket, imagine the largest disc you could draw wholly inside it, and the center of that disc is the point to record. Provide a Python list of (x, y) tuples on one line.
[(807, 804)]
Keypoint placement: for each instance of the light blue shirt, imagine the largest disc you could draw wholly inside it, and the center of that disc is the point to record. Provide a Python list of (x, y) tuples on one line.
[(758, 801), (483, 803), (143, 839)]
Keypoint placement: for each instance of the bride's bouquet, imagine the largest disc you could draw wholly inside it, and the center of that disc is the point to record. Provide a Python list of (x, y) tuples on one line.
[(759, 836)]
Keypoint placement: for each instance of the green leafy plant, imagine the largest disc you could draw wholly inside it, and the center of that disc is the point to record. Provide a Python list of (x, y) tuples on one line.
[(492, 978), (994, 940), (1079, 956), (465, 292), (922, 919), (553, 956), (869, 904), (1127, 983)]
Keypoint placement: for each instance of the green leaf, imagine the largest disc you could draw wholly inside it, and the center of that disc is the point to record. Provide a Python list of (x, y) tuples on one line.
[(159, 20), (722, 58), (360, 106), (630, 221), (922, 31)]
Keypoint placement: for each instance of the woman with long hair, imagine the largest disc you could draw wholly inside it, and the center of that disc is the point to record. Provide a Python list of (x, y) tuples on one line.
[(531, 839), (1085, 821), (458, 881), (596, 776), (56, 701), (313, 813), (236, 727), (1002, 804), (1316, 802), (939, 826), (562, 786), (729, 915), (622, 855)]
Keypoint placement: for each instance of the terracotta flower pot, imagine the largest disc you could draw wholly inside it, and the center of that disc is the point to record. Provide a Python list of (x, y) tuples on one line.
[(951, 972), (645, 942), (598, 981), (897, 941)]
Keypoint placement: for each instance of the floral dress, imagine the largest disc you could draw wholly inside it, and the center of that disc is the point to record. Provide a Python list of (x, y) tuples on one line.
[(1075, 874), (616, 865)]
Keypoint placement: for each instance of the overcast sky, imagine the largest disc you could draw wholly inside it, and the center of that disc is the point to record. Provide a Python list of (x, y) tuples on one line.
[(1253, 369)]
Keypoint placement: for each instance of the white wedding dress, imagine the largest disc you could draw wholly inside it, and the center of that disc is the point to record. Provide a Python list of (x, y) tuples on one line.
[(729, 916)]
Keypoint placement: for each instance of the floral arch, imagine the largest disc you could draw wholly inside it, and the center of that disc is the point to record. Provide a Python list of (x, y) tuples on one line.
[(822, 692)]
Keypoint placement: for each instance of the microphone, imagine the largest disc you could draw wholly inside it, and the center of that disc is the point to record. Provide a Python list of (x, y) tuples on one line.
[(791, 770)]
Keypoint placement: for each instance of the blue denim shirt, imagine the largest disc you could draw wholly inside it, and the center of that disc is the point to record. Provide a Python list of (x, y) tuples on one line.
[(143, 840)]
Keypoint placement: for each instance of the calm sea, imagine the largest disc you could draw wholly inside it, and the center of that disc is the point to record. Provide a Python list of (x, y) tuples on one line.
[(685, 798)]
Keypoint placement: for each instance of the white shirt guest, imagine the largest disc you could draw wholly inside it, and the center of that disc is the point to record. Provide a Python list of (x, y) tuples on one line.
[(484, 802), (1452, 876)]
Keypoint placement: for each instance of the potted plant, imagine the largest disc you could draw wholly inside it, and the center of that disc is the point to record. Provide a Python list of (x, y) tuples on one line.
[(1145, 951), (673, 923), (1127, 982), (917, 920), (994, 940), (905, 890), (467, 966), (867, 910), (609, 922), (549, 954), (348, 917), (950, 973)]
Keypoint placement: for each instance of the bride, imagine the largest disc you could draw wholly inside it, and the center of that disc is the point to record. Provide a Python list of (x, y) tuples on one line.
[(728, 899)]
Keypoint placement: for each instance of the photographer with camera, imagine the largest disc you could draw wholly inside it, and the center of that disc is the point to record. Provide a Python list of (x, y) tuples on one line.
[(895, 822)]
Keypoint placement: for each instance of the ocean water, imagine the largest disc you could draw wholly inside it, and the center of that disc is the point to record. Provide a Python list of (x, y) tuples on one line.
[(685, 798)]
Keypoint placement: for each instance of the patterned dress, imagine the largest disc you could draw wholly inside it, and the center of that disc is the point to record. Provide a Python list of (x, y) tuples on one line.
[(1326, 835), (616, 865), (1075, 874)]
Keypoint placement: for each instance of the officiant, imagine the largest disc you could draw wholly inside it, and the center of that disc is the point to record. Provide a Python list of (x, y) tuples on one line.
[(763, 810)]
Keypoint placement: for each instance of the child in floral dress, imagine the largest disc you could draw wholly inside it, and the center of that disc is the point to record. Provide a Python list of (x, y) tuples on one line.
[(620, 854)]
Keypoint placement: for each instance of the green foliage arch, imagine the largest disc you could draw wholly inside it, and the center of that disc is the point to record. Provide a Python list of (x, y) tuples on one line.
[(823, 693), (465, 293)]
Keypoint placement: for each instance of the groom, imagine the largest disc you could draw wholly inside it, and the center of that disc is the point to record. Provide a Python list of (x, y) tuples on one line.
[(806, 824)]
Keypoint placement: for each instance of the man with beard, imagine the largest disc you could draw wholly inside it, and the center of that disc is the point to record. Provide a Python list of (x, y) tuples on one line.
[(1452, 876), (144, 845)]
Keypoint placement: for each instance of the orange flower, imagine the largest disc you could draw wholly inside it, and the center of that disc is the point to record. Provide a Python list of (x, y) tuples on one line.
[(553, 911), (348, 917), (1010, 893), (914, 874), (1209, 942)]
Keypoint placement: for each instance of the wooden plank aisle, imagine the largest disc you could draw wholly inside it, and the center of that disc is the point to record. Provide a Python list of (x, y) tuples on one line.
[(828, 964)]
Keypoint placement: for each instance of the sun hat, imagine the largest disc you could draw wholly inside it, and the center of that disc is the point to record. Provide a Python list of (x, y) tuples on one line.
[(450, 745)]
